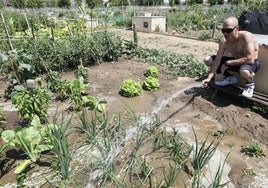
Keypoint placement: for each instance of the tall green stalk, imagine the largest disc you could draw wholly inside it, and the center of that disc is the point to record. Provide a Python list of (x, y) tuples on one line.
[(60, 148), (201, 157)]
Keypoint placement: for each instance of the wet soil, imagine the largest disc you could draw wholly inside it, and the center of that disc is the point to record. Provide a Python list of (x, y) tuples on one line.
[(204, 109)]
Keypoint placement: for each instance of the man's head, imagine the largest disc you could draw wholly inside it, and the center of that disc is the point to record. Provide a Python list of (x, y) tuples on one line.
[(230, 27)]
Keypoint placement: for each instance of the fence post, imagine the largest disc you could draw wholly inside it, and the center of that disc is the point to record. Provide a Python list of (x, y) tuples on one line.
[(28, 24), (69, 29), (52, 33), (214, 26), (6, 30), (135, 35), (32, 28)]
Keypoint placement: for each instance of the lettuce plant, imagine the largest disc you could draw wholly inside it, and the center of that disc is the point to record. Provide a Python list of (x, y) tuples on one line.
[(32, 140), (130, 88), (92, 103), (151, 71), (151, 84)]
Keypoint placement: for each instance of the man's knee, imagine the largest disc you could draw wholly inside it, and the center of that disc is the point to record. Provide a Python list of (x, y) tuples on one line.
[(208, 60), (247, 74)]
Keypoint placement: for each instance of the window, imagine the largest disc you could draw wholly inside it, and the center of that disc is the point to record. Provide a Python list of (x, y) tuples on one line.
[(145, 24)]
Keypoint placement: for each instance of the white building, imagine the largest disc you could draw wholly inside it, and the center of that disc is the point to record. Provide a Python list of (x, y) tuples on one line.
[(148, 23)]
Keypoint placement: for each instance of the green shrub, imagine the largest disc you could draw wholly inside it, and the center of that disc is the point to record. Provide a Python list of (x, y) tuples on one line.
[(68, 53), (125, 22)]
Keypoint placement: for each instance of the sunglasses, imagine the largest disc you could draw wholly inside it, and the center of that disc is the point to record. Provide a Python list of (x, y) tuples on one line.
[(227, 30)]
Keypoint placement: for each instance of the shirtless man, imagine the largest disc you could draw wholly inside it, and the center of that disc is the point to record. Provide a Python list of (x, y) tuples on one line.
[(238, 52)]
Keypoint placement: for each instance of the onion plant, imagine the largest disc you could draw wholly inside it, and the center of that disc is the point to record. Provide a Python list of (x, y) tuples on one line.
[(172, 175), (201, 157)]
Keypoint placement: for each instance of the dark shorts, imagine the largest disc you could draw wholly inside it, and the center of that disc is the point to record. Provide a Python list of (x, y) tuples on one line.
[(251, 68)]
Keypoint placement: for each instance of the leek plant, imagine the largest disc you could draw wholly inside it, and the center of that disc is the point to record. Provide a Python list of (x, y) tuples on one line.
[(146, 172), (58, 139), (201, 157), (217, 179), (172, 175)]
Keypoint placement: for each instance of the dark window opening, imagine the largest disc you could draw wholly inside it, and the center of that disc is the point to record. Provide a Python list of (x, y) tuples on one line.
[(145, 24)]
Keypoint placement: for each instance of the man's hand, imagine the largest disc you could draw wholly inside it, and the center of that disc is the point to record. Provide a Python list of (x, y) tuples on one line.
[(205, 82)]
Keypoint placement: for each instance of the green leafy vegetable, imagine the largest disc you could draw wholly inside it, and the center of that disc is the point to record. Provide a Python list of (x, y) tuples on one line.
[(31, 140), (151, 83), (130, 88), (151, 71), (91, 103), (30, 103)]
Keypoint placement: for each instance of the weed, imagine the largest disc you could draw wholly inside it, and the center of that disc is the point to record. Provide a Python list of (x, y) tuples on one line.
[(250, 172), (253, 149), (262, 108)]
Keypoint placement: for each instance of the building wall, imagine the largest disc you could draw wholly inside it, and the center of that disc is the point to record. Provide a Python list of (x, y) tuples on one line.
[(149, 23), (159, 23), (261, 75)]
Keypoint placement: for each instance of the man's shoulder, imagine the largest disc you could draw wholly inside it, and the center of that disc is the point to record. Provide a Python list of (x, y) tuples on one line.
[(246, 33)]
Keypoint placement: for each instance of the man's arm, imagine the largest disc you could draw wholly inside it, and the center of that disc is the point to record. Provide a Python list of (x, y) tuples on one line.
[(216, 62)]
